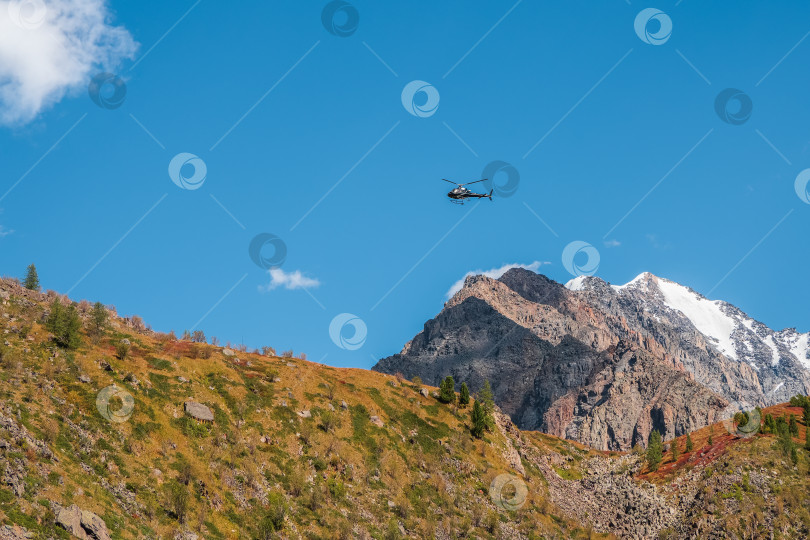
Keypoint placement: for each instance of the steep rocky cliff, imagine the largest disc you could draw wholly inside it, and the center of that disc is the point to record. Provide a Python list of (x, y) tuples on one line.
[(602, 364)]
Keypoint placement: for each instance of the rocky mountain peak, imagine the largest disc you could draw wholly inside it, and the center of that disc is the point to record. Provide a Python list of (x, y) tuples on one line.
[(565, 358)]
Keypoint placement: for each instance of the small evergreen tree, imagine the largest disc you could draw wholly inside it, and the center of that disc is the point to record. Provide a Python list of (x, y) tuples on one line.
[(675, 452), (785, 443), (447, 390), (98, 319), (654, 451), (31, 278), (798, 401), (487, 399), (793, 426), (478, 420), (806, 413), (782, 426), (711, 436), (64, 323), (807, 439), (464, 395), (770, 424), (689, 444)]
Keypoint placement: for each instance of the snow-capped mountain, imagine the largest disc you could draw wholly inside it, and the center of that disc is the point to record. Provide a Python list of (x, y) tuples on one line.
[(605, 364), (781, 358)]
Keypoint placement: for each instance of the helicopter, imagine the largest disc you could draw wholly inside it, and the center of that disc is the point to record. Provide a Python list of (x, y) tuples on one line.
[(458, 194)]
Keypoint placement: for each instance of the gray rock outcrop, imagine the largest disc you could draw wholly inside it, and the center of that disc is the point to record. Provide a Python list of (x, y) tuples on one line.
[(82, 523), (198, 411)]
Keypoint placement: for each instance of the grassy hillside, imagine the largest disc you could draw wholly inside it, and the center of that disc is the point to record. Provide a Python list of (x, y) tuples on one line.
[(373, 457), (301, 450)]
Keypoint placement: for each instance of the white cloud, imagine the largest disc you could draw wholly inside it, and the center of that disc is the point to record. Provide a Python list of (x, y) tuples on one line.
[(50, 48), (292, 280), (4, 231), (612, 243), (493, 273)]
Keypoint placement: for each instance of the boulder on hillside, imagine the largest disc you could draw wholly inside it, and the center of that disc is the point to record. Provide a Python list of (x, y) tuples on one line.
[(198, 411), (82, 524)]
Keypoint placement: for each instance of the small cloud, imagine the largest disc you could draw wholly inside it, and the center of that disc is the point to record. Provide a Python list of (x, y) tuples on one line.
[(612, 243), (657, 243), (49, 49), (5, 232), (493, 273), (291, 280)]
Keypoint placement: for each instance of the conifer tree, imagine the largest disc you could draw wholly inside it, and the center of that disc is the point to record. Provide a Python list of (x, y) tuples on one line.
[(98, 319), (478, 420), (807, 439), (770, 424), (793, 426), (31, 278), (447, 390), (654, 451), (689, 444), (464, 395), (64, 323), (675, 452), (487, 399)]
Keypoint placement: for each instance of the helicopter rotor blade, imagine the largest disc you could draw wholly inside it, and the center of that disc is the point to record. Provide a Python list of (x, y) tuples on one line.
[(454, 183), (468, 183)]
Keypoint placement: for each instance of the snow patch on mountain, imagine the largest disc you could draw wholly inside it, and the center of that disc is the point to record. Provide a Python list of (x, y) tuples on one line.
[(774, 349), (637, 281), (798, 345), (728, 330), (706, 315), (576, 284)]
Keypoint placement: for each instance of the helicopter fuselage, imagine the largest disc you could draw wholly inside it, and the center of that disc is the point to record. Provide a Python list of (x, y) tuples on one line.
[(461, 193)]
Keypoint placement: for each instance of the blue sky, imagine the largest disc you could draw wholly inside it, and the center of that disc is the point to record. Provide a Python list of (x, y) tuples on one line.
[(304, 136)]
